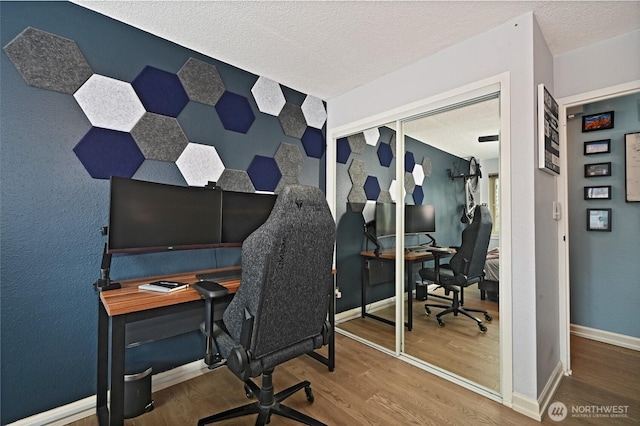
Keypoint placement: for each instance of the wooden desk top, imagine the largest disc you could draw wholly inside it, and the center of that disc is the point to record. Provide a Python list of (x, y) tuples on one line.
[(130, 298), (408, 255)]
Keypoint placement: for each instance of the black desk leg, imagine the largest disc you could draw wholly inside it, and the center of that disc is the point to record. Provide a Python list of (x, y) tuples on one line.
[(409, 271), (363, 285), (117, 370), (102, 411)]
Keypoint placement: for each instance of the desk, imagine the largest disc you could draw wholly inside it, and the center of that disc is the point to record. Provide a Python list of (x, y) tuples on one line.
[(129, 315), (410, 258)]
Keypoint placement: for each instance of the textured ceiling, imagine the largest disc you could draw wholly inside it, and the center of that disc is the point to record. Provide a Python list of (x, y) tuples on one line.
[(326, 48)]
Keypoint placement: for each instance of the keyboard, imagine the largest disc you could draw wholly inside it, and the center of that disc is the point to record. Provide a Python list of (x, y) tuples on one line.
[(224, 275)]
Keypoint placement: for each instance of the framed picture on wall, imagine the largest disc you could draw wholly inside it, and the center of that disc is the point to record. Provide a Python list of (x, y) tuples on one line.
[(632, 166), (597, 147), (599, 220), (597, 192), (599, 121), (597, 169)]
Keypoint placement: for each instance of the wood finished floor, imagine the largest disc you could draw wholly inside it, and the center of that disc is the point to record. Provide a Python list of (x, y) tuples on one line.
[(369, 387), (458, 347)]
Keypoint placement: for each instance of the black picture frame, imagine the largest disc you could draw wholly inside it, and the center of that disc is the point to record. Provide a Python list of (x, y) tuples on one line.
[(599, 121), (599, 220), (602, 146), (597, 169), (597, 192)]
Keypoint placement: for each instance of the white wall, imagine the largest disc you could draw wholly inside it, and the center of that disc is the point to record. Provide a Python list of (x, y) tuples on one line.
[(605, 64), (507, 48), (547, 278)]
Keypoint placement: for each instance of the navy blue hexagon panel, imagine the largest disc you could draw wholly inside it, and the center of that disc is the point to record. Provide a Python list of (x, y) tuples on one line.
[(138, 121)]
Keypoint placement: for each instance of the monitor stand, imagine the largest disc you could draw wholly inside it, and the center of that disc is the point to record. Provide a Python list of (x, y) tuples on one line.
[(104, 283)]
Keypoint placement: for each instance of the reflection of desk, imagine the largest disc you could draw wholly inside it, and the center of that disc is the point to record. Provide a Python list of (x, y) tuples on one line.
[(139, 316), (410, 258)]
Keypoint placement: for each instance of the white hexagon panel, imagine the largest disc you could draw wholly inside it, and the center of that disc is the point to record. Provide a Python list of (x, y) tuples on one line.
[(314, 112), (418, 174), (268, 95), (393, 191), (371, 136), (200, 164), (109, 103)]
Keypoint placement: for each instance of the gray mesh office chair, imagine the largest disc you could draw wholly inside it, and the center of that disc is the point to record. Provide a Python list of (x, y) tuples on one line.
[(465, 268), (280, 309)]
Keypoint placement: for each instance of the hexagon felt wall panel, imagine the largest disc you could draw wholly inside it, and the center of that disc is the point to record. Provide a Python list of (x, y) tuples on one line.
[(372, 188), (313, 142), (418, 174), (264, 173), (235, 112), (109, 103), (235, 180), (385, 155), (371, 136), (426, 166), (357, 199), (358, 172), (48, 61), (289, 160), (343, 150), (292, 120), (105, 153), (159, 137), (200, 164), (268, 96), (418, 195), (201, 81), (314, 112), (357, 143), (160, 91)]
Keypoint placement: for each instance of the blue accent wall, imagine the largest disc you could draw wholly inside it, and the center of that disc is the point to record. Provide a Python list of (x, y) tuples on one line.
[(439, 190), (604, 266), (52, 209)]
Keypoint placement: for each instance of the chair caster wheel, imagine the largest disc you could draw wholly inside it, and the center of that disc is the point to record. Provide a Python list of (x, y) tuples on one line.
[(483, 329), (248, 392), (440, 323), (427, 311), (487, 317), (309, 393)]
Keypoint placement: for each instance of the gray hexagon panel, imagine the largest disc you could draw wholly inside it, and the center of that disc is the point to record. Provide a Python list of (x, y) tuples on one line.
[(109, 103), (289, 160), (268, 96), (292, 120), (409, 183), (385, 196), (159, 137), (358, 172), (201, 81), (426, 166), (357, 143), (235, 180), (357, 199), (48, 61)]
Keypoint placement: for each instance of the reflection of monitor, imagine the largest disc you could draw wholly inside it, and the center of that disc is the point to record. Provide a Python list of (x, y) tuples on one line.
[(148, 216), (419, 219), (385, 220), (243, 213)]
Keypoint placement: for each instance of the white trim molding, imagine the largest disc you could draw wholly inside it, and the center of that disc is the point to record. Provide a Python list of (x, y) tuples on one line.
[(603, 336), (535, 408)]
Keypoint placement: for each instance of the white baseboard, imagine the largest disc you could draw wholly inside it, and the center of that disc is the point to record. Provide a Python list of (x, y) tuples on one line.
[(616, 339), (86, 407), (535, 408)]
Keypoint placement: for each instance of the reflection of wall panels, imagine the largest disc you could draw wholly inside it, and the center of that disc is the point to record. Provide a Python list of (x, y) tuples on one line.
[(142, 120)]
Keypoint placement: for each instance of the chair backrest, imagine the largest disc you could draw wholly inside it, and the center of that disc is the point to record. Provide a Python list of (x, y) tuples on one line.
[(286, 273), (470, 258)]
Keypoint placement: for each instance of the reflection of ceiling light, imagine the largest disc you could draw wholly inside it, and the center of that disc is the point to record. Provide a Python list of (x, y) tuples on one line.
[(491, 138)]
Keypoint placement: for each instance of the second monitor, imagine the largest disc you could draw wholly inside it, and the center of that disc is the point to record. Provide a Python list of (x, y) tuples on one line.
[(419, 219)]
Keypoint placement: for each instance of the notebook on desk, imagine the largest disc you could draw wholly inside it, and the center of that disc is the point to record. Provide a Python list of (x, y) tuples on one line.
[(164, 286)]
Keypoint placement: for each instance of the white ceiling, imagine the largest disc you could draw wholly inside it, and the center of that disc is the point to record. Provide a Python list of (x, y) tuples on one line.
[(326, 48)]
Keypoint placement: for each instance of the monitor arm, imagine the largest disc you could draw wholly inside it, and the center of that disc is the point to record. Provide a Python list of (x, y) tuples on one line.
[(431, 242), (369, 232), (104, 282)]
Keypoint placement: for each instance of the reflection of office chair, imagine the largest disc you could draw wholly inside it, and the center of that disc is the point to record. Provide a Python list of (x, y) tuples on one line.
[(280, 309), (466, 267)]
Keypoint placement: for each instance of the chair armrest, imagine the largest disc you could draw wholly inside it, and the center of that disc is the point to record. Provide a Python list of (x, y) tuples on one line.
[(210, 289)]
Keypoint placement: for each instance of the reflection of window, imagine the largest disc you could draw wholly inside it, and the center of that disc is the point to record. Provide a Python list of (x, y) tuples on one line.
[(494, 202)]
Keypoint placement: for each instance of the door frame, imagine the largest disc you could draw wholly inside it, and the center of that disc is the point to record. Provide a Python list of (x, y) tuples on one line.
[(563, 189)]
